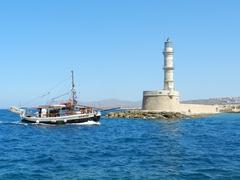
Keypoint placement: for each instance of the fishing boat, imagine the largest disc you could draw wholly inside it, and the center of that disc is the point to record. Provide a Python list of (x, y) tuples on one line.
[(68, 112)]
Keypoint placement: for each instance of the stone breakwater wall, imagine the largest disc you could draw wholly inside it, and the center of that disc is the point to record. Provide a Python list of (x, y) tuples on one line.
[(192, 109), (139, 114)]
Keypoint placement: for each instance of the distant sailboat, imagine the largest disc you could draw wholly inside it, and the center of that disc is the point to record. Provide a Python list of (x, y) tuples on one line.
[(63, 113)]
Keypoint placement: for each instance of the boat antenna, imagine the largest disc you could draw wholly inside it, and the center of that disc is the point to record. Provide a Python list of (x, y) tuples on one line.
[(74, 93)]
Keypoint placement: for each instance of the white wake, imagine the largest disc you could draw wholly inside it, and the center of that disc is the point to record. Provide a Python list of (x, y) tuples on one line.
[(89, 123)]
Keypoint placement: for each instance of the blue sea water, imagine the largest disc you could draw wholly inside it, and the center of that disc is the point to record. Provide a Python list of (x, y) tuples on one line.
[(204, 148)]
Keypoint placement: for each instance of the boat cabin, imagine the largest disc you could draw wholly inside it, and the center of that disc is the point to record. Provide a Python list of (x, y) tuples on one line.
[(51, 111), (62, 110)]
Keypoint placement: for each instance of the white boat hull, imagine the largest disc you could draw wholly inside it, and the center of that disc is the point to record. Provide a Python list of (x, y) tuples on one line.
[(70, 119)]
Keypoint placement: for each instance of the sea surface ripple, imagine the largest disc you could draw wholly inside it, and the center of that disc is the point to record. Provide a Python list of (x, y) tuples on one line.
[(204, 148)]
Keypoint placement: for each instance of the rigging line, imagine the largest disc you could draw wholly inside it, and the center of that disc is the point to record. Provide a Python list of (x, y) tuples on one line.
[(35, 99), (48, 92), (59, 83), (60, 96), (60, 90)]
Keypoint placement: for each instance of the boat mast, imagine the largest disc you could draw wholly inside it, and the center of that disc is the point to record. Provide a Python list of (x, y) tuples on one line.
[(74, 93)]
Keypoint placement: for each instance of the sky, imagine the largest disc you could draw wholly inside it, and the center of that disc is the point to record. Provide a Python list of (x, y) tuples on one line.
[(115, 48)]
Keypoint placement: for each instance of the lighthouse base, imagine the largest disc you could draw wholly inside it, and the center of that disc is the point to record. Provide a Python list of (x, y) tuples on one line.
[(167, 101)]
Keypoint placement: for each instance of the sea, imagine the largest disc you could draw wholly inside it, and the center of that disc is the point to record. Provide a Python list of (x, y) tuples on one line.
[(201, 148)]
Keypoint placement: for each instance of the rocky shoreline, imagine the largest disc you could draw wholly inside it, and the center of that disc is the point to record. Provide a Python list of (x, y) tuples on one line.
[(138, 114)]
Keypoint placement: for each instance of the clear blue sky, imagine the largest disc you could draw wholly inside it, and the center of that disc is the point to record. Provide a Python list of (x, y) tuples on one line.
[(115, 47)]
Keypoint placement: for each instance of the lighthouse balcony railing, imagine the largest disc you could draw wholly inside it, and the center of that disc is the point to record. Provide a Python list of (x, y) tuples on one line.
[(168, 68)]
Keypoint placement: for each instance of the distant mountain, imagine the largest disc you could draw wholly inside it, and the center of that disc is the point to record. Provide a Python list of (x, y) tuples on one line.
[(112, 103)]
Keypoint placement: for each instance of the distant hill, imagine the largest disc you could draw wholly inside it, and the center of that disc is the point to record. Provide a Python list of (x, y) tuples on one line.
[(112, 103)]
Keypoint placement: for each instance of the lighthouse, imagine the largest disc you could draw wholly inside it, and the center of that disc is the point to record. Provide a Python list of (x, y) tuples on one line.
[(168, 66), (168, 98)]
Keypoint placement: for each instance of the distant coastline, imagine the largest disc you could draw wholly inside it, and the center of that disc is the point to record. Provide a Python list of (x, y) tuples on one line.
[(111, 103)]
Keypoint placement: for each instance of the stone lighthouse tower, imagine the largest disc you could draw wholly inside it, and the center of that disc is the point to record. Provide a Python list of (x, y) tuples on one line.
[(168, 66), (168, 98)]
